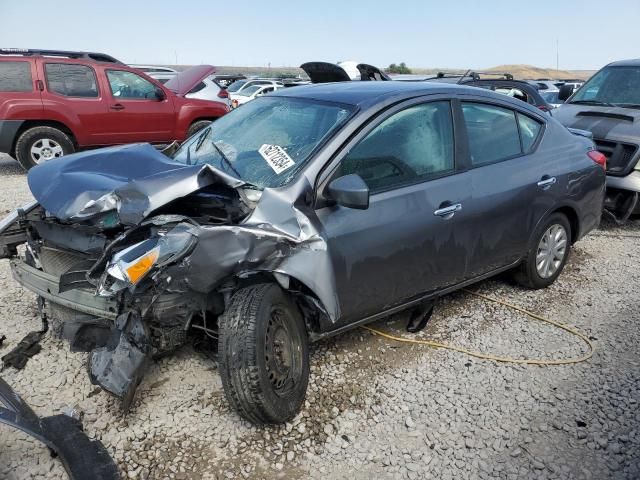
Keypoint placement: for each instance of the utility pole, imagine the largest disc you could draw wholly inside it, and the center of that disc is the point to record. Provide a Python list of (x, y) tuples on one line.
[(557, 55)]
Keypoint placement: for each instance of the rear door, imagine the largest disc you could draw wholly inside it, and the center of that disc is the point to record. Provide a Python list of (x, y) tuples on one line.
[(136, 114), (409, 241), (72, 95), (511, 187)]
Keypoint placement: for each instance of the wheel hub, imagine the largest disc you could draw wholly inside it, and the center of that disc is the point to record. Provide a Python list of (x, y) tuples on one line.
[(45, 149), (281, 359), (551, 250)]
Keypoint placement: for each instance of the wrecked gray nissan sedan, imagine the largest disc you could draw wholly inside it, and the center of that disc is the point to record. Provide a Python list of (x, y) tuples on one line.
[(298, 216)]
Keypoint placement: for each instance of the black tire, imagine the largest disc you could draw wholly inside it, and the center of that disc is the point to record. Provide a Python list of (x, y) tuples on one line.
[(31, 137), (527, 274), (257, 382), (197, 126)]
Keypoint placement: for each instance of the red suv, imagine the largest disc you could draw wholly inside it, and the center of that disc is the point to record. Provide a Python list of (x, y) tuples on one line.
[(53, 103)]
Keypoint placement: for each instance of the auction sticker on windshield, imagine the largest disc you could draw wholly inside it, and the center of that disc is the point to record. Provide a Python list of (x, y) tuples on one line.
[(276, 157)]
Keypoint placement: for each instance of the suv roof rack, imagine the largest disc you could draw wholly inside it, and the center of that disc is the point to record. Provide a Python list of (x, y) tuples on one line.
[(476, 75), (28, 52)]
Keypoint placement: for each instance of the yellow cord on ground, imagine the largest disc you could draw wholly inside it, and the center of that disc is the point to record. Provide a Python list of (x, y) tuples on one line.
[(495, 358)]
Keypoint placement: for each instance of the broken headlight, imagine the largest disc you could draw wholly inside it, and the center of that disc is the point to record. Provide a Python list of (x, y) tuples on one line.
[(132, 264)]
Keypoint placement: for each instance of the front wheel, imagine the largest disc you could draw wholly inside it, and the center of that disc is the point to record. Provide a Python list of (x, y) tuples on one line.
[(40, 144), (263, 354), (548, 253)]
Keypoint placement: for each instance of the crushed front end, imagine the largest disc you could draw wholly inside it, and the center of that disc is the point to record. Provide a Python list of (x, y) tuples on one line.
[(127, 267)]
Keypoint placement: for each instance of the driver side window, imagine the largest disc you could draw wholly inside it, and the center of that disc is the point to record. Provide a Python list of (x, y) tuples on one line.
[(411, 146), (128, 85)]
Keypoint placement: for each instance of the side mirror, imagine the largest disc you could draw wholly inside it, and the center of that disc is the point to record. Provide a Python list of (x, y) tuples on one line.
[(349, 191), (160, 95), (565, 92)]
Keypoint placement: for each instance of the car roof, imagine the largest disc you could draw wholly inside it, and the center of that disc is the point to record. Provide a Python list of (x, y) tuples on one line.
[(634, 62), (365, 92)]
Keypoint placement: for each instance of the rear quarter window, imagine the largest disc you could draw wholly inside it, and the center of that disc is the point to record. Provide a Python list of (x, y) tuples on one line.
[(71, 80), (529, 131), (492, 132), (15, 77)]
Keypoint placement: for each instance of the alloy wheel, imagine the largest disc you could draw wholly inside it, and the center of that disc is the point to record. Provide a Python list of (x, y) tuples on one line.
[(45, 149)]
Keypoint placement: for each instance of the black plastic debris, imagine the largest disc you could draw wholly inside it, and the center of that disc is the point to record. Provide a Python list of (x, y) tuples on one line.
[(81, 457), (2, 339), (27, 348)]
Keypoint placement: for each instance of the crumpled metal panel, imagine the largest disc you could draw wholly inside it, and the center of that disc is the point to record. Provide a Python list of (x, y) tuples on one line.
[(281, 234)]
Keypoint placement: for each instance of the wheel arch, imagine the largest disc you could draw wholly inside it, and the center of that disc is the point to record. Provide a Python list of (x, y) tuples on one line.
[(311, 306), (28, 124), (574, 220)]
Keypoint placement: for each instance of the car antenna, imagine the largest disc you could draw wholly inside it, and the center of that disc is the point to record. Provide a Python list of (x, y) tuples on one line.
[(463, 76)]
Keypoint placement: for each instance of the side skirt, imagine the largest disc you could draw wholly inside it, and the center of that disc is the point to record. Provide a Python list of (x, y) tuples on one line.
[(314, 337)]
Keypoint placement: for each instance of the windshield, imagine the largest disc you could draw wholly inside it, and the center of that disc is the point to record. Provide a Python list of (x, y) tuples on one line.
[(247, 92), (237, 85), (267, 141), (617, 86)]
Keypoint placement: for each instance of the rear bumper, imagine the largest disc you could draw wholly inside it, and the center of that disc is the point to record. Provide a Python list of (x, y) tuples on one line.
[(628, 182), (48, 287), (8, 131)]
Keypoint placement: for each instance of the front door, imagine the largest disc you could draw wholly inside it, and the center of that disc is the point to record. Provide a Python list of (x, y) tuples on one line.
[(408, 241), (136, 114)]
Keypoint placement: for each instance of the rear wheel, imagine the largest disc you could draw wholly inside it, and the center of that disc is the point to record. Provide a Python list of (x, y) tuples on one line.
[(263, 354), (197, 126), (548, 253), (40, 144)]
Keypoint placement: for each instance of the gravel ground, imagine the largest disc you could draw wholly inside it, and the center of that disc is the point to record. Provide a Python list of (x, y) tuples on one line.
[(376, 408)]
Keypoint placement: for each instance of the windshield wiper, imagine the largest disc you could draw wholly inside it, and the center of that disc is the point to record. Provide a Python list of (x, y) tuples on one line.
[(226, 160), (593, 102), (628, 105)]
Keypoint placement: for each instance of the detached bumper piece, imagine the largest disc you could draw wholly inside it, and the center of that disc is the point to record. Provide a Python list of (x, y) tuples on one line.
[(120, 366), (81, 457)]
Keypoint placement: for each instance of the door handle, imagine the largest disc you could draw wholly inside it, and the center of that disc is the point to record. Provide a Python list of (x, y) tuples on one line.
[(448, 211), (117, 106), (546, 182)]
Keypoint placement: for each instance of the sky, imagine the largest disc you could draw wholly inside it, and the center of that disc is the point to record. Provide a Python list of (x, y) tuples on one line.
[(427, 33)]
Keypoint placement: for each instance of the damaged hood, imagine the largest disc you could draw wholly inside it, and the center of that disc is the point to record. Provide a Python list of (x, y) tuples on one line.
[(604, 122), (184, 81), (133, 180)]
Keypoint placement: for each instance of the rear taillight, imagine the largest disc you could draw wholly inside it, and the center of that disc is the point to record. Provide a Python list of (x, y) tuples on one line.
[(222, 93), (598, 157)]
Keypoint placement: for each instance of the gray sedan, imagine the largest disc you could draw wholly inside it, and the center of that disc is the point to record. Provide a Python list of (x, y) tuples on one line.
[(301, 215)]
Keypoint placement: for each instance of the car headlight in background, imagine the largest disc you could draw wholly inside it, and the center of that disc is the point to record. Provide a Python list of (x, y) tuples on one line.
[(131, 265)]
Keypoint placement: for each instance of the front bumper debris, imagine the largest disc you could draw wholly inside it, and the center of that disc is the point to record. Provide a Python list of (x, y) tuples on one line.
[(47, 286), (81, 457)]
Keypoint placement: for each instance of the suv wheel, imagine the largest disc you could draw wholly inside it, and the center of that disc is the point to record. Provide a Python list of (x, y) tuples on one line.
[(39, 144), (197, 126), (263, 354), (547, 254)]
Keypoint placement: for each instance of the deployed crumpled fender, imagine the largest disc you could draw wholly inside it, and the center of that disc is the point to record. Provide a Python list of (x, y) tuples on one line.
[(278, 236), (81, 457)]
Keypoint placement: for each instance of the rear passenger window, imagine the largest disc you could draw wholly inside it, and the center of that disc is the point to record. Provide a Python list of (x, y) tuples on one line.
[(71, 80), (412, 145), (529, 131), (492, 132), (15, 77)]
